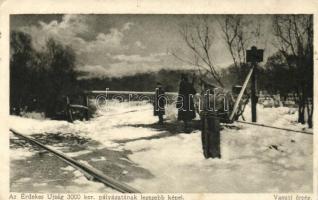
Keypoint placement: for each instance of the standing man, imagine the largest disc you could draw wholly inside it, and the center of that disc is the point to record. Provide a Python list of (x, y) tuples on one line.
[(159, 103), (185, 103)]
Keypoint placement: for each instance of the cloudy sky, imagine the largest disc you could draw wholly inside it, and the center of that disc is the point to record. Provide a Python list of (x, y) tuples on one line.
[(119, 45)]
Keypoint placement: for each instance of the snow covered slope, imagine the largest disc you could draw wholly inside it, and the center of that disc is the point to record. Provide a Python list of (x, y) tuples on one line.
[(254, 159)]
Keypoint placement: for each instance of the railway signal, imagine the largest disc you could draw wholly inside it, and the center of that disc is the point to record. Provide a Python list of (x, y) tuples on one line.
[(254, 56)]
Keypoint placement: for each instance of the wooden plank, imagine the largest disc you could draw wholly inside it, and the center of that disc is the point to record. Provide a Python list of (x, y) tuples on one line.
[(127, 92), (78, 106), (88, 170), (241, 93)]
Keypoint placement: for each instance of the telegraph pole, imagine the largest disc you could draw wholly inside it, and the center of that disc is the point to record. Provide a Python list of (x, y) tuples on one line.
[(254, 56)]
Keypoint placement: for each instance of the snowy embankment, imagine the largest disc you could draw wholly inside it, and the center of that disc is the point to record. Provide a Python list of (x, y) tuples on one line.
[(254, 159)]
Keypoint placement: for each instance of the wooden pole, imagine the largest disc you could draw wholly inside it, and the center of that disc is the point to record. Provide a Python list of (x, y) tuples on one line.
[(241, 93), (69, 110), (253, 95), (86, 104)]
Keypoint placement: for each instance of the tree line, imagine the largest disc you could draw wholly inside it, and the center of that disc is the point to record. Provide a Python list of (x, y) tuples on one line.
[(39, 80)]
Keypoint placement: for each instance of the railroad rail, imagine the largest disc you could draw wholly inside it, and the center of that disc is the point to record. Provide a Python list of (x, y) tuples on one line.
[(85, 169), (274, 127)]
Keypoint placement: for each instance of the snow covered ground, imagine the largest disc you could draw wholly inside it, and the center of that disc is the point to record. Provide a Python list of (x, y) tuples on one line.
[(124, 138)]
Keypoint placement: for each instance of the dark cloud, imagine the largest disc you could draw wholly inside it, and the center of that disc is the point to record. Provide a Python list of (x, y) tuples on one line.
[(119, 45)]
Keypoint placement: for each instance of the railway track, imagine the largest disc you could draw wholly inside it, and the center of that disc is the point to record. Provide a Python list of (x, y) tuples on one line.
[(88, 171)]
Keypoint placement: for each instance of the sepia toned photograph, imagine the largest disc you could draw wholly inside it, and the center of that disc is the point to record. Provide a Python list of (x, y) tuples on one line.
[(161, 103)]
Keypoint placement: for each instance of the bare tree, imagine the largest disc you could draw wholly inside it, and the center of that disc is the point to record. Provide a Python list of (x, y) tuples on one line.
[(198, 36), (233, 35), (294, 35), (238, 37)]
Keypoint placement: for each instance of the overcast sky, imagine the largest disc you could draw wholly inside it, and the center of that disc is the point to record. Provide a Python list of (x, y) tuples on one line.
[(119, 45)]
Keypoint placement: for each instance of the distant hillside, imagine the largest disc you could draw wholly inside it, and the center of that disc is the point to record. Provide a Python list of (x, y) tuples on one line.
[(140, 82)]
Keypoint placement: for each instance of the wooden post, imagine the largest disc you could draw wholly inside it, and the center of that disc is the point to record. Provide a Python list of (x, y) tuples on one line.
[(253, 95), (85, 99), (69, 114), (210, 136)]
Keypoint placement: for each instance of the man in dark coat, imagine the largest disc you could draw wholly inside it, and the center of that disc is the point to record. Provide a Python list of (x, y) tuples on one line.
[(185, 103), (159, 103)]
